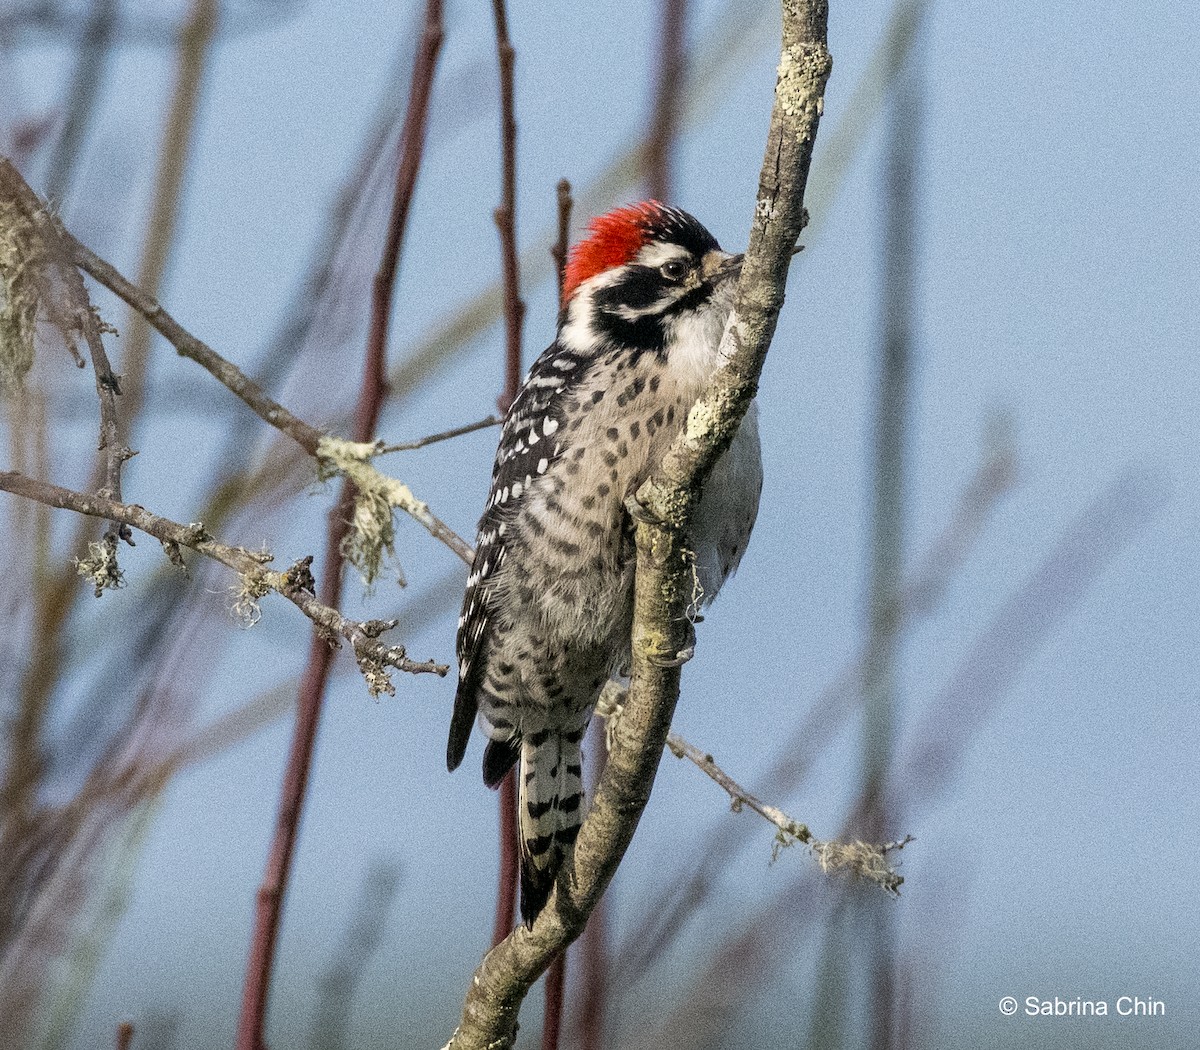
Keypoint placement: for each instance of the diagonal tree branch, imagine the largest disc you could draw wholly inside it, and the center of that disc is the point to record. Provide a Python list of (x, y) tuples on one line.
[(334, 456), (663, 582), (295, 584)]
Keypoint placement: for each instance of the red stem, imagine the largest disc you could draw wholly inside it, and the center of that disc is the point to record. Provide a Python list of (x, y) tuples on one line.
[(592, 984), (560, 250), (269, 906), (506, 214), (514, 315), (552, 1021), (506, 891)]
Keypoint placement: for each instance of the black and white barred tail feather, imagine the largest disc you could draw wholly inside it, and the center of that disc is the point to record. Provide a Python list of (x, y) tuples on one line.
[(550, 811)]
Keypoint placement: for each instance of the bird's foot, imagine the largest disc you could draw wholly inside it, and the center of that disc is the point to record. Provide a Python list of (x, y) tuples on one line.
[(678, 659)]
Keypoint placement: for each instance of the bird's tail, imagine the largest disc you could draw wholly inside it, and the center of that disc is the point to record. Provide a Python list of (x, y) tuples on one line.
[(551, 810)]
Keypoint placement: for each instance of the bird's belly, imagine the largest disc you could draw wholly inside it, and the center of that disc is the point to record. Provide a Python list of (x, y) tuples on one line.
[(727, 511)]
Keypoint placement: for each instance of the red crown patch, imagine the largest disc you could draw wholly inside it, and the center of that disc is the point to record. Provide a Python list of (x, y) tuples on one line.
[(614, 239)]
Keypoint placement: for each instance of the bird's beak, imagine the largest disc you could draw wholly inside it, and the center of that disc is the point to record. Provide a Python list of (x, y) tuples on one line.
[(718, 267)]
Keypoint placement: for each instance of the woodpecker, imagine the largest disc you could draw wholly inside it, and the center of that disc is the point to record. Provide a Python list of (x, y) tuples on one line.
[(548, 608)]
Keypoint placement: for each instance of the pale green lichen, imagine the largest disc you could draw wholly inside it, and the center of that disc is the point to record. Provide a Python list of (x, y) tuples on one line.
[(247, 595), (374, 672), (21, 262), (100, 565), (372, 538), (863, 860)]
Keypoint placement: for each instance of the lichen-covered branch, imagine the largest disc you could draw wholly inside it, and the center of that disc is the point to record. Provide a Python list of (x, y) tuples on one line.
[(256, 580), (47, 268), (858, 858), (862, 859), (663, 581), (225, 372)]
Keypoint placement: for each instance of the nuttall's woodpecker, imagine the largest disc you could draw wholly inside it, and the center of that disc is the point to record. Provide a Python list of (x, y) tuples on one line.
[(548, 609)]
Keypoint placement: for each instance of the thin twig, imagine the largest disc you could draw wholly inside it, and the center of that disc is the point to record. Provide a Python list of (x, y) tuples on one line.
[(445, 435), (187, 345), (252, 1021), (663, 582), (315, 442), (558, 252), (788, 831), (506, 214), (665, 119), (666, 912), (78, 315), (791, 829), (295, 584)]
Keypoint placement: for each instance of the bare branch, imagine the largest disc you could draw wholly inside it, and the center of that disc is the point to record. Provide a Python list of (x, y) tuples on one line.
[(295, 584), (75, 314), (315, 442), (862, 859), (788, 831), (445, 435), (663, 582), (187, 345), (558, 251), (506, 214)]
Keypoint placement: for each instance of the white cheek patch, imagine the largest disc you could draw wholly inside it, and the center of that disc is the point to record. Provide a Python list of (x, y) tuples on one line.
[(656, 255), (577, 333), (631, 313)]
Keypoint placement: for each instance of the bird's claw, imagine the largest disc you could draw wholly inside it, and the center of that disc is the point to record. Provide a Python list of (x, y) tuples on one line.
[(678, 660), (639, 512), (683, 655)]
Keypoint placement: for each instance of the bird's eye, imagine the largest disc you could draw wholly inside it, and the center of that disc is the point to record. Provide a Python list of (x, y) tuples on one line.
[(674, 270)]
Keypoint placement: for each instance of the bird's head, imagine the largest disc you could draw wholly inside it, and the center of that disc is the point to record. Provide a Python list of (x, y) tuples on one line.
[(642, 272)]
